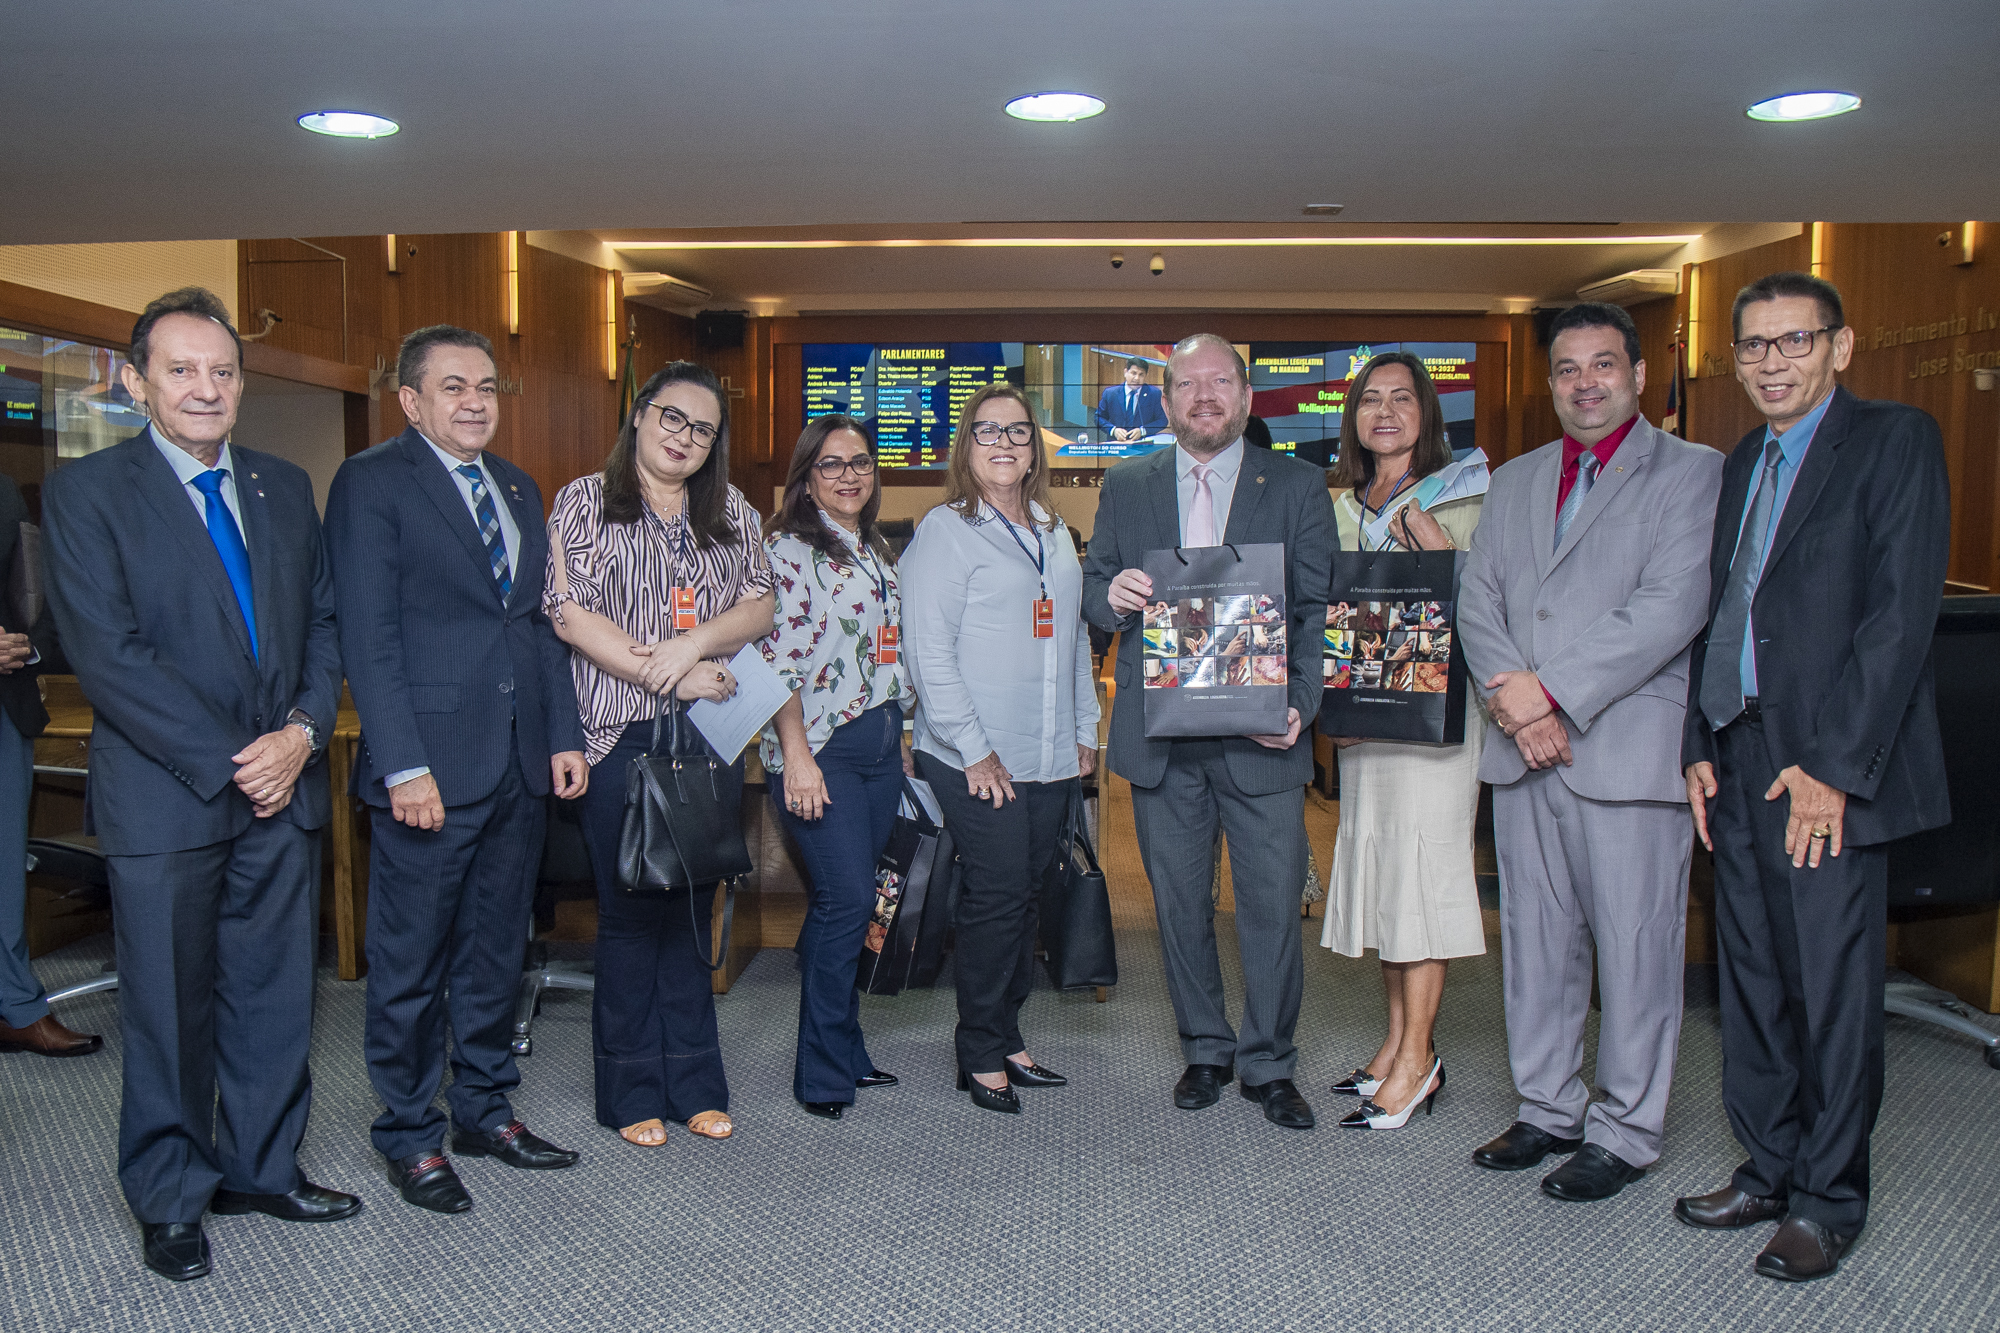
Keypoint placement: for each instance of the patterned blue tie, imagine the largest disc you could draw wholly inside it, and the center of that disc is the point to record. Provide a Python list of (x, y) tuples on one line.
[(489, 530), (228, 539), (1579, 491)]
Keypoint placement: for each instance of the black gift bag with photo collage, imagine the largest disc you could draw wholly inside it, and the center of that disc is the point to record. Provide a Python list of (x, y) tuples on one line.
[(1393, 667), (1213, 658)]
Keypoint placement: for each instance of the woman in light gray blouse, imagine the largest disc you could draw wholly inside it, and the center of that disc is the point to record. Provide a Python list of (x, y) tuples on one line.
[(1006, 716)]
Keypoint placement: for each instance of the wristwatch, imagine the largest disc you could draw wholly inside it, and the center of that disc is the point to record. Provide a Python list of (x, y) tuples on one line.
[(303, 721)]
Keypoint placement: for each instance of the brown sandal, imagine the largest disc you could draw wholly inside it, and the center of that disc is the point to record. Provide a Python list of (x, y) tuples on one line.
[(630, 1133), (711, 1124)]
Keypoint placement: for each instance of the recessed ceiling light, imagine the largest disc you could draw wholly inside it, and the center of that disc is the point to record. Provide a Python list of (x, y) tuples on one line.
[(1322, 210), (348, 124), (1055, 106), (1804, 106)]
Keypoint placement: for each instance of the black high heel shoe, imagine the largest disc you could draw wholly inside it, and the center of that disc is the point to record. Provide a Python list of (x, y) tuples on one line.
[(1002, 1099), (1032, 1075)]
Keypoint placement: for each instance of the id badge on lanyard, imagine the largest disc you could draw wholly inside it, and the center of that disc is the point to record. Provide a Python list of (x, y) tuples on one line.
[(680, 601), (887, 640), (1042, 621)]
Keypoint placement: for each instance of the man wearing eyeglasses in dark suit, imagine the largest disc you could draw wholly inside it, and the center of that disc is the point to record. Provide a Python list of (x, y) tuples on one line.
[(468, 722), (1811, 740)]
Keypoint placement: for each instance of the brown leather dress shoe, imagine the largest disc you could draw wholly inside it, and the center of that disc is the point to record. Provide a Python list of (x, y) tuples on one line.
[(45, 1036), (1728, 1207), (1801, 1251)]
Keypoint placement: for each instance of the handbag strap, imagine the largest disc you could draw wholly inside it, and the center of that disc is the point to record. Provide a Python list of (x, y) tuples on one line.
[(1079, 827), (721, 955)]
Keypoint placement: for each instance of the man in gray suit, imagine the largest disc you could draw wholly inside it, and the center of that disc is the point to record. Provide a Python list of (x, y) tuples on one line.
[(1588, 580), (1206, 490)]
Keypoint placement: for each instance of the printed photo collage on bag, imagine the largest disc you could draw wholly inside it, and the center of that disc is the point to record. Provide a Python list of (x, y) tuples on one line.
[(1210, 641), (1403, 646)]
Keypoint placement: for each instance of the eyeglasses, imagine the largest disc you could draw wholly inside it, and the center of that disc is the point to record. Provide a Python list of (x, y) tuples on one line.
[(1797, 343), (673, 421), (989, 433), (831, 468)]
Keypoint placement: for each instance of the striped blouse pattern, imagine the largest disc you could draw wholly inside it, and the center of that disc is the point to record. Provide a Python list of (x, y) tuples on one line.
[(622, 571)]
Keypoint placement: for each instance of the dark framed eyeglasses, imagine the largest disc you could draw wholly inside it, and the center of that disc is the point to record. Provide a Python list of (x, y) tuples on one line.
[(1797, 343), (990, 433), (673, 421), (832, 468)]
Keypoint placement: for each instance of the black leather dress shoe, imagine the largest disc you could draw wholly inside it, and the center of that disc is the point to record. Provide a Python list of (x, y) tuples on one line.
[(1728, 1207), (1202, 1085), (1801, 1251), (1032, 1075), (427, 1180), (1001, 1099), (1520, 1147), (516, 1145), (1282, 1103), (307, 1203), (877, 1078), (177, 1251), (825, 1110), (1591, 1175)]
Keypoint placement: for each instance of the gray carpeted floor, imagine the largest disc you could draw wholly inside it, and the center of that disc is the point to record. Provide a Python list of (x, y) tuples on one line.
[(1101, 1207)]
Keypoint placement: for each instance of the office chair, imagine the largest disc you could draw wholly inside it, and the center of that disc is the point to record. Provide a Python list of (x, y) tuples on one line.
[(74, 856), (565, 864)]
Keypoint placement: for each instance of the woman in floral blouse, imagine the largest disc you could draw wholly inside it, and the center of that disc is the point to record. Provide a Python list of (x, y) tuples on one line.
[(835, 749)]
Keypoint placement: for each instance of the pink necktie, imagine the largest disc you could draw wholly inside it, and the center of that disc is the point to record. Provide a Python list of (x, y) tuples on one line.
[(1201, 511)]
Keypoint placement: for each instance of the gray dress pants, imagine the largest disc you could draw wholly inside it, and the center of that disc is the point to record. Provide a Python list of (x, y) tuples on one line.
[(1576, 873)]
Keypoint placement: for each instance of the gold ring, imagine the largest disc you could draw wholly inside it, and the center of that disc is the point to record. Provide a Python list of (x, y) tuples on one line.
[(1823, 831)]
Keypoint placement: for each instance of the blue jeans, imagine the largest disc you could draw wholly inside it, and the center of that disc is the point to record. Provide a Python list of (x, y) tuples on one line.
[(862, 764)]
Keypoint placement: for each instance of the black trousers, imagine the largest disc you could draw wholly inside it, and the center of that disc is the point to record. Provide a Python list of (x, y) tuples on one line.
[(447, 928), (1801, 973), (658, 1054), (1004, 854), (216, 947)]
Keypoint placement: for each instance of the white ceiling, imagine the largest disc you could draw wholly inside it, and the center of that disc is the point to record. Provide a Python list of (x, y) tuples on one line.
[(620, 117)]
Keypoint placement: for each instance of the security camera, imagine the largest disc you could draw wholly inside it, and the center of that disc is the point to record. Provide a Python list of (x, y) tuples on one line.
[(1118, 259), (1159, 265)]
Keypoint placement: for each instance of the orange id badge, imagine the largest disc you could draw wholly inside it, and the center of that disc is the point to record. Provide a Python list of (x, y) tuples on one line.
[(1045, 618), (887, 640), (681, 602)]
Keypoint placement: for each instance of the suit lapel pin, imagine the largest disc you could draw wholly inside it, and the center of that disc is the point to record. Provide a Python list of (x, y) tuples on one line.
[(1260, 481)]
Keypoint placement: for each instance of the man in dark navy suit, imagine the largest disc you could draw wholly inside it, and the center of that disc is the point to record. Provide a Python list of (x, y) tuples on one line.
[(1131, 410), (194, 601), (468, 722), (1811, 741)]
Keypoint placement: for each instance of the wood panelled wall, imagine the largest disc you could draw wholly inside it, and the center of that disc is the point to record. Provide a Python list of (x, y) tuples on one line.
[(1923, 323), (558, 414)]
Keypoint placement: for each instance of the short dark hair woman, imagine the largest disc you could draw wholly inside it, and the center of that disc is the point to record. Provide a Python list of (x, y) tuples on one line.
[(658, 536), (1400, 880), (1007, 722), (835, 749)]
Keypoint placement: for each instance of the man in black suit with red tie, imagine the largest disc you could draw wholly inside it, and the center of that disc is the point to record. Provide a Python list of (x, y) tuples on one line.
[(468, 722), (193, 599), (1811, 741)]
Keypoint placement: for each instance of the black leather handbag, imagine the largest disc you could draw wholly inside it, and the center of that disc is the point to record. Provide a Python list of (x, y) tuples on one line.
[(1075, 909), (683, 824)]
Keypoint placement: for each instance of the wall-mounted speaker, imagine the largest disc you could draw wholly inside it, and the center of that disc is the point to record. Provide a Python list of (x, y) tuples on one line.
[(717, 330), (1545, 315)]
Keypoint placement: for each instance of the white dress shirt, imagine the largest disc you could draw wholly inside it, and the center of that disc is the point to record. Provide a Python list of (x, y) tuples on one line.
[(509, 532), (1221, 483), (985, 684), (187, 467)]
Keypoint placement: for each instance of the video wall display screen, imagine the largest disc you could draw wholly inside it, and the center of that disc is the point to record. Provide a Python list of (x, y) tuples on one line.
[(1098, 403), (63, 395)]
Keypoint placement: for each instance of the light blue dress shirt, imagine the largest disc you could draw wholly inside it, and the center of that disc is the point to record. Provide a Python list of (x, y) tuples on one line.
[(187, 467), (1792, 446), (1221, 484)]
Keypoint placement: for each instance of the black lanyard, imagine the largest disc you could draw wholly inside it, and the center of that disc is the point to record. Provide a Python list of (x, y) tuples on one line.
[(1361, 494), (879, 574), (1041, 561)]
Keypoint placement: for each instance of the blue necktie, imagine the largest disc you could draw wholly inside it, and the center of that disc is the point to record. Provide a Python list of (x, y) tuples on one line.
[(228, 539), (489, 530), (1722, 670)]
